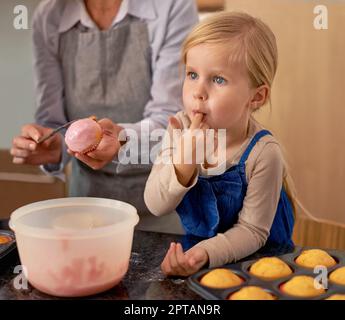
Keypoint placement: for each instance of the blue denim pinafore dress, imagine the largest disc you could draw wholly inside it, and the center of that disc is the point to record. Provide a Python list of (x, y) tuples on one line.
[(212, 206)]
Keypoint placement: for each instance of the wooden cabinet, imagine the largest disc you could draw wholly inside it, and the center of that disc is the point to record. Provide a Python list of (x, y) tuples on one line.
[(308, 112), (23, 184), (210, 5)]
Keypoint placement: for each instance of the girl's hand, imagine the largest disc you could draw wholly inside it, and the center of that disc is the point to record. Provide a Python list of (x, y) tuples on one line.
[(107, 148), (178, 263), (25, 150), (190, 140), (193, 141)]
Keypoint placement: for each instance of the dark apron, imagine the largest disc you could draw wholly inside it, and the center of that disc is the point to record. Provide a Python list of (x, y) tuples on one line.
[(107, 74), (212, 206)]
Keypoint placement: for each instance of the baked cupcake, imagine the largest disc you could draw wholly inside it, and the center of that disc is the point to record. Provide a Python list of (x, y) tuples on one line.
[(5, 239), (301, 286), (270, 268), (315, 257), (337, 296), (84, 135), (338, 276), (221, 278), (251, 293)]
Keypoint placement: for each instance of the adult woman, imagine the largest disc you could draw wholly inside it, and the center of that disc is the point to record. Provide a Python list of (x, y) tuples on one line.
[(115, 59)]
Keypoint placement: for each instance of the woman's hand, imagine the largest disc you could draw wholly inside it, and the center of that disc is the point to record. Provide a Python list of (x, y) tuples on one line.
[(107, 148), (178, 263), (25, 150)]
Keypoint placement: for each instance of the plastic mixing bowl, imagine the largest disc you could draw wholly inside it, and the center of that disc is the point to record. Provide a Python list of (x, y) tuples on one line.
[(73, 247)]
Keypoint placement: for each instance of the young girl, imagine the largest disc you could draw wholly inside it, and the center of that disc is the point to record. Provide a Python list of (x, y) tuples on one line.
[(230, 61)]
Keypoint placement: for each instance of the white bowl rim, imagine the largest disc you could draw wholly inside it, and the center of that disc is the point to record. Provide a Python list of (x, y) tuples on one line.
[(48, 233)]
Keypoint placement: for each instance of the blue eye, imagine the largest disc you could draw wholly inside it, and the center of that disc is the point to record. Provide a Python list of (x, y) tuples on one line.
[(192, 75), (219, 80)]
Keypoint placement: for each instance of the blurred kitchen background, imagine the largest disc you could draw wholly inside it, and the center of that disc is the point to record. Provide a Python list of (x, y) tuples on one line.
[(307, 113)]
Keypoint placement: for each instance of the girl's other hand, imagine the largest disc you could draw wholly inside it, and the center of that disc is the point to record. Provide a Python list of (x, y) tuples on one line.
[(178, 263)]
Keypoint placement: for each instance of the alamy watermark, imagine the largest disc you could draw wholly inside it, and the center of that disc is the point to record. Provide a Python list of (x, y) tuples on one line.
[(321, 19), (178, 146), (321, 280), (320, 22), (21, 17), (20, 282)]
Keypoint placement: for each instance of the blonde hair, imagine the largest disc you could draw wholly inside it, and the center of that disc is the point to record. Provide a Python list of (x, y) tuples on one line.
[(254, 44), (250, 41)]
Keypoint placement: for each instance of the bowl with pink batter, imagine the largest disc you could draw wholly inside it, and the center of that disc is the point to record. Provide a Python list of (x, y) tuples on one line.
[(74, 247)]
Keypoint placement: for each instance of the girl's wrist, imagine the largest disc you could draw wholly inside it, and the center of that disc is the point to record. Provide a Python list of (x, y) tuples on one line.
[(184, 173)]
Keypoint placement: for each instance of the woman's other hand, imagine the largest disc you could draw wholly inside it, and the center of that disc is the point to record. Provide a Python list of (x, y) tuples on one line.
[(26, 150)]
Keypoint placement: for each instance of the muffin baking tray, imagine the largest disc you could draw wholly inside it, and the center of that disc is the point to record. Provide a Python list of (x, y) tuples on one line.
[(273, 287), (8, 249)]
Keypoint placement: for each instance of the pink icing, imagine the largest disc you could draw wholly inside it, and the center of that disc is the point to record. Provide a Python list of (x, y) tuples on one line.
[(82, 277), (83, 135)]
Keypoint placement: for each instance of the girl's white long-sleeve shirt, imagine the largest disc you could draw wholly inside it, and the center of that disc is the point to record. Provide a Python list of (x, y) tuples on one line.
[(265, 170)]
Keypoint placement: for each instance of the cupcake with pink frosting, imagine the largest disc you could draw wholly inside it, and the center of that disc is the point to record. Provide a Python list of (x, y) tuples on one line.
[(84, 135)]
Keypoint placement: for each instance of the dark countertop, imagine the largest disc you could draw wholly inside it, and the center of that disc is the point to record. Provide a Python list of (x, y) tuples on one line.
[(143, 281)]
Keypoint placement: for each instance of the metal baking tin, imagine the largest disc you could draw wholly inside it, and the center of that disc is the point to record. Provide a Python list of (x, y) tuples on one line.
[(7, 250), (271, 286)]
